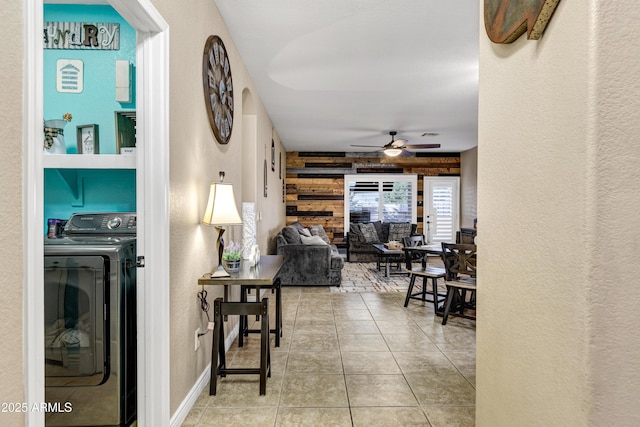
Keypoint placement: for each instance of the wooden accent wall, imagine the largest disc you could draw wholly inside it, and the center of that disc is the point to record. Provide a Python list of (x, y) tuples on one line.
[(315, 182)]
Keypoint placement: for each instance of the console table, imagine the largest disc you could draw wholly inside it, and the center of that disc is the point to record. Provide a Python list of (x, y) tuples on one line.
[(263, 275)]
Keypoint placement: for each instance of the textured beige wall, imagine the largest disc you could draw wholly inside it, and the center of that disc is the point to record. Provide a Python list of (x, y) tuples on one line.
[(195, 161), (614, 207), (11, 371), (468, 187), (557, 195)]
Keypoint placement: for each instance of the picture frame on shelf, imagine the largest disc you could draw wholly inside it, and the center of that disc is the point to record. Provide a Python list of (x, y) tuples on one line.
[(125, 122), (88, 139)]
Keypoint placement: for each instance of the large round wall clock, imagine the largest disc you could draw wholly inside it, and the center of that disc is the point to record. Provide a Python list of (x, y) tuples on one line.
[(218, 88)]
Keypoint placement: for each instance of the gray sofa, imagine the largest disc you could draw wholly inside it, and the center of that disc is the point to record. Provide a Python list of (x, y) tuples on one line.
[(362, 236), (310, 258)]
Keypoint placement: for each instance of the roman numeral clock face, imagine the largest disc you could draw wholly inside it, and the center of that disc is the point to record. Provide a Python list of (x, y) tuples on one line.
[(218, 88)]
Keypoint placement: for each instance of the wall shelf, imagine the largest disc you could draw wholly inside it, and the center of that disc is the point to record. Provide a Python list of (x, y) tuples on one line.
[(87, 161)]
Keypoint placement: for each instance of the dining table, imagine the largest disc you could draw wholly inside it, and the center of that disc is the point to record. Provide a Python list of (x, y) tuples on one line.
[(428, 249)]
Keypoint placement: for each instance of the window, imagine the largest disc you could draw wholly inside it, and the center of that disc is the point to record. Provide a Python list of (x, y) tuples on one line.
[(386, 198)]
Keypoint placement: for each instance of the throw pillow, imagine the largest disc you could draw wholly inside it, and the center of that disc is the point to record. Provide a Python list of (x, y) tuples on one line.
[(398, 230), (305, 232), (291, 235), (296, 226), (313, 240), (384, 237), (369, 232), (355, 233), (318, 230), (379, 230)]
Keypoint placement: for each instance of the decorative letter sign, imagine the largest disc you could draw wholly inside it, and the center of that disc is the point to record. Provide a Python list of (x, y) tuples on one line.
[(81, 35), (506, 20)]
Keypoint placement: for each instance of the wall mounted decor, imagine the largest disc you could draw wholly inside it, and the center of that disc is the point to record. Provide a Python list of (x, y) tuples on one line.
[(280, 165), (273, 156), (218, 88), (87, 139), (81, 35), (265, 177), (123, 81), (69, 75), (506, 20)]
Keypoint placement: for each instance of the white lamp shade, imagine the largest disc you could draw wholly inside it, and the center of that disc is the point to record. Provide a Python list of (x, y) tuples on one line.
[(221, 207)]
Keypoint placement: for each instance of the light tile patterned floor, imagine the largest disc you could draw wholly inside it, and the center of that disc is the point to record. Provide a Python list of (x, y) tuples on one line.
[(352, 359)]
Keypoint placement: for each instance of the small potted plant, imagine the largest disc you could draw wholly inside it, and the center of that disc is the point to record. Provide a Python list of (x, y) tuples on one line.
[(231, 257)]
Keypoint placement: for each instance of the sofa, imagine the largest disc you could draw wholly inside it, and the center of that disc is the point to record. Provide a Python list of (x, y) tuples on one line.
[(362, 236), (310, 258)]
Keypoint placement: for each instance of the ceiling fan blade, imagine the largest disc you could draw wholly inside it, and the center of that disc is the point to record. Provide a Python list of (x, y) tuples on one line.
[(368, 146), (399, 143), (406, 153), (419, 146)]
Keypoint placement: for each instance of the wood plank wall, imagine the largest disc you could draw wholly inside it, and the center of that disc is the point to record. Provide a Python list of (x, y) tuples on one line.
[(315, 182)]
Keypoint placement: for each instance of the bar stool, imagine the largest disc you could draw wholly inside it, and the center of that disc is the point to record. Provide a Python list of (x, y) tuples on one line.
[(218, 359), (244, 323), (426, 273)]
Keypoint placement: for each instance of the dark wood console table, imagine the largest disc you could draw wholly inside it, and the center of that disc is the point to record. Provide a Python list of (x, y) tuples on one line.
[(262, 276)]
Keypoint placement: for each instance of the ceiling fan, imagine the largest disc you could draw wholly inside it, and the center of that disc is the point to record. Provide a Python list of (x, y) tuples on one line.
[(398, 147)]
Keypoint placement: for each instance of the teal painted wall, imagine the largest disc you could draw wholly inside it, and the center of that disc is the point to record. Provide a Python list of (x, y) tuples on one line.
[(97, 102), (103, 190)]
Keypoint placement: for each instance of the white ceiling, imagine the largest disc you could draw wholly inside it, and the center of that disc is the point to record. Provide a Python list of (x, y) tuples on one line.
[(332, 73)]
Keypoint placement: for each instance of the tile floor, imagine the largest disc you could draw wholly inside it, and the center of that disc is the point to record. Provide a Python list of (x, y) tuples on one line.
[(351, 359)]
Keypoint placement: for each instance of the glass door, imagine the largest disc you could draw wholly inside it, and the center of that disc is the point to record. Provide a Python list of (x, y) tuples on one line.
[(441, 208), (76, 319)]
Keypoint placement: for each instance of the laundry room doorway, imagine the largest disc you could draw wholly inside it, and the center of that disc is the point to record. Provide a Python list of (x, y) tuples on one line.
[(151, 165)]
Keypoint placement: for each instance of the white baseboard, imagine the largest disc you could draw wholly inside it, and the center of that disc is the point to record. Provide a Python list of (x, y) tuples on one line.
[(201, 383)]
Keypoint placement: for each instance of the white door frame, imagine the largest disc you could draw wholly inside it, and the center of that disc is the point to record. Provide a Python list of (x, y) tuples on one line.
[(152, 177), (426, 203)]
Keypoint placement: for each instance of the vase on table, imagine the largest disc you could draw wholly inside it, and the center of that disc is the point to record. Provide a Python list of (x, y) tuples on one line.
[(231, 266), (54, 137)]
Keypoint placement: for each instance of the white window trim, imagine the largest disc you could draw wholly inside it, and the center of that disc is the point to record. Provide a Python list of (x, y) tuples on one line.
[(412, 178)]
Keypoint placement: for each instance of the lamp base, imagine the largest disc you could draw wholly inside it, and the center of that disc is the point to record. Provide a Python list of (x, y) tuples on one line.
[(220, 243), (219, 272)]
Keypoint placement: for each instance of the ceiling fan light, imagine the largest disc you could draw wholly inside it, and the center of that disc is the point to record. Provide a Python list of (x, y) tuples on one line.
[(392, 152)]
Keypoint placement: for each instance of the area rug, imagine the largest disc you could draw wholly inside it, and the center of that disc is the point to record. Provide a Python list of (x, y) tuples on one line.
[(364, 277)]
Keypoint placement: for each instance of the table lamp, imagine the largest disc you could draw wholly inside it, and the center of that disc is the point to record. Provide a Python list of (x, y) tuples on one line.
[(221, 210)]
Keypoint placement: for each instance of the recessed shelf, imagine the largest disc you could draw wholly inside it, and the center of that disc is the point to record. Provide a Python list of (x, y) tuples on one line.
[(88, 161)]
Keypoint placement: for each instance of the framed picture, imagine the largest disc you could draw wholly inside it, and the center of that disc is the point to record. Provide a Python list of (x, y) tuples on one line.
[(88, 139), (265, 177), (280, 165), (125, 122), (273, 156)]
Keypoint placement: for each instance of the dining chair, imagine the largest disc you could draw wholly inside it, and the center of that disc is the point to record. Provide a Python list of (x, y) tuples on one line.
[(412, 242), (431, 274), (460, 279)]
